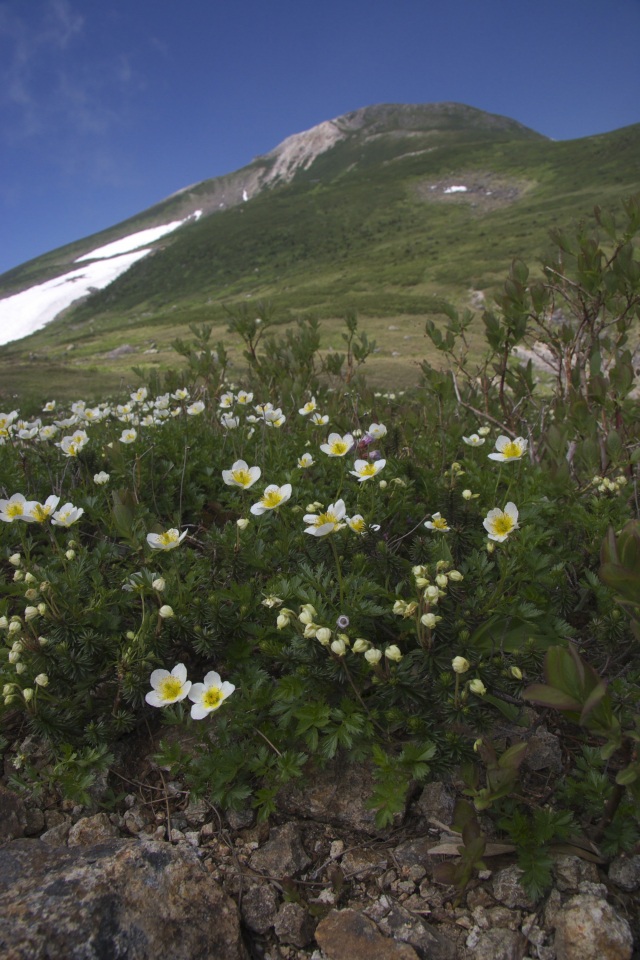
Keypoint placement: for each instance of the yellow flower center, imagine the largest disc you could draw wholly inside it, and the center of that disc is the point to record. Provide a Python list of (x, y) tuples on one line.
[(511, 449), (440, 523), (169, 537), (357, 525), (503, 524), (242, 477), (40, 513), (14, 510), (170, 688), (323, 518), (72, 450), (212, 697), (368, 470), (339, 448), (271, 499)]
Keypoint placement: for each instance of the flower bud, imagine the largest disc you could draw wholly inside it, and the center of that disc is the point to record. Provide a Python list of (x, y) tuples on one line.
[(392, 652), (20, 667), (27, 693), (70, 554), (383, 484), (29, 578), (429, 620), (516, 672), (361, 645), (4, 623), (31, 594), (42, 609), (467, 494), (30, 613), (477, 686), (166, 612), (323, 635), (43, 641), (42, 680), (460, 664), (15, 560), (432, 594), (159, 584), (455, 575), (18, 575), (284, 619), (310, 630), (339, 648), (307, 613), (15, 626), (483, 431), (442, 580), (242, 523), (373, 655)]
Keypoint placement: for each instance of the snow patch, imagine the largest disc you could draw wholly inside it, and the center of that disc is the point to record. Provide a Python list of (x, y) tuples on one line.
[(459, 189), (32, 309), (135, 240)]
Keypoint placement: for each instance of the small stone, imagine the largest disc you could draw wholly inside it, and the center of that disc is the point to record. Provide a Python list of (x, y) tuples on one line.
[(363, 863), (196, 813), (588, 928), (283, 854), (192, 837), (413, 852), (479, 898), (336, 849), (13, 815), (240, 819), (498, 944), (294, 925), (135, 820), (34, 821), (544, 752), (436, 802), (570, 871), (259, 907), (508, 890), (91, 830), (56, 836), (624, 871), (53, 818), (349, 935), (503, 917)]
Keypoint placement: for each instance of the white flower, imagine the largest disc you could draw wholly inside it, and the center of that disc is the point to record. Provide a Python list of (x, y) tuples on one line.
[(308, 408), (226, 400), (101, 478), (365, 469), (139, 395), (16, 507), (128, 436), (319, 420), (306, 460), (196, 408), (327, 522), (509, 449), (168, 540), (229, 422), (273, 497), (377, 431), (243, 397), (40, 512), (242, 523), (180, 394), (271, 601), (437, 522), (66, 515), (159, 584), (71, 446), (337, 446), (49, 406), (474, 440), (168, 687), (483, 431), (209, 695), (499, 523), (241, 475)]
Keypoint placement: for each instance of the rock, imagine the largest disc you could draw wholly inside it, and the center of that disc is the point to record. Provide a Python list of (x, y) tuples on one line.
[(625, 872), (125, 898), (283, 853), (294, 925), (363, 863), (196, 813), (428, 941), (136, 820), (588, 928), (498, 944), (571, 871), (436, 802), (56, 836), (13, 815), (508, 890), (91, 830), (337, 794), (120, 351), (415, 852), (544, 752), (259, 907), (240, 819), (34, 821), (348, 935)]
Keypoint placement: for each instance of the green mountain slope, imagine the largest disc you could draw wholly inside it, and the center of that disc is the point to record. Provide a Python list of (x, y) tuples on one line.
[(364, 212)]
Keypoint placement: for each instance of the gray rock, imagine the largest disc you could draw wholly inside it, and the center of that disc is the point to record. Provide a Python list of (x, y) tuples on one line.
[(13, 815), (196, 813), (544, 752), (428, 941), (136, 820), (625, 872), (56, 836), (122, 899), (337, 794), (294, 925), (588, 928), (259, 907), (436, 801), (348, 935), (92, 830), (413, 853), (498, 944), (571, 871), (34, 821), (363, 862), (507, 889), (283, 854), (240, 819)]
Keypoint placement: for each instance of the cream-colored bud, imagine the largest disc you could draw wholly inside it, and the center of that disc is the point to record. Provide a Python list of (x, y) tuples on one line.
[(15, 626), (15, 560), (455, 575), (29, 578), (360, 645), (516, 672), (27, 693), (460, 664), (30, 613), (466, 494), (166, 612), (393, 652), (338, 647), (42, 680), (373, 655), (31, 594), (442, 580), (430, 620), (42, 609), (242, 523), (18, 576), (70, 554), (323, 635), (159, 584), (477, 686)]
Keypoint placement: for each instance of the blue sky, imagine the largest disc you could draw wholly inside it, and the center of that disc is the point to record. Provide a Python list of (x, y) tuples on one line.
[(107, 108)]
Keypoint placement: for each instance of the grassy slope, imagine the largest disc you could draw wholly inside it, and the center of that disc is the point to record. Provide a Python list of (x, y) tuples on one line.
[(361, 229)]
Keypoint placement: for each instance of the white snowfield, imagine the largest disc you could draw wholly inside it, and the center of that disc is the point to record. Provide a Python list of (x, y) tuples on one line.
[(30, 310)]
